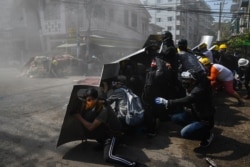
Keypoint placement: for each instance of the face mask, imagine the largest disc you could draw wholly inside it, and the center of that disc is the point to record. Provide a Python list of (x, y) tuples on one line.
[(90, 103)]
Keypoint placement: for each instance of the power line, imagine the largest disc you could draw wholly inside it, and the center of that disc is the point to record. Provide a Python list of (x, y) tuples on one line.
[(213, 13)]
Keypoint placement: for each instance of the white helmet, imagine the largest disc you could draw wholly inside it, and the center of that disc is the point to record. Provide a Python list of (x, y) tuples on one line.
[(242, 62), (187, 75)]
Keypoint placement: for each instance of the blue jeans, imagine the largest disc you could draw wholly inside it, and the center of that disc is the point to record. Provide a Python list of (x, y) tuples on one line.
[(192, 129)]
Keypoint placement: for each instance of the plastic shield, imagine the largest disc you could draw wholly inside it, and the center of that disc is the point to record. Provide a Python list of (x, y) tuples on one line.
[(208, 39)]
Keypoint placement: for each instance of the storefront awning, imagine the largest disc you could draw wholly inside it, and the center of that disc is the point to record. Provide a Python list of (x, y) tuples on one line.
[(108, 42), (115, 43)]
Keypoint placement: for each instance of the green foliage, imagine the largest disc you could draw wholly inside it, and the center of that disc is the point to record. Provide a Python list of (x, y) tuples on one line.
[(239, 40)]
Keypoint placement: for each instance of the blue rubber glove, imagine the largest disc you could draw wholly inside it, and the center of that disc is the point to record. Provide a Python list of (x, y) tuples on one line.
[(160, 100)]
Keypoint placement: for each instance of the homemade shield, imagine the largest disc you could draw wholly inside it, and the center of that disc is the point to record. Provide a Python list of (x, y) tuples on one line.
[(208, 39), (205, 39), (110, 71), (72, 129)]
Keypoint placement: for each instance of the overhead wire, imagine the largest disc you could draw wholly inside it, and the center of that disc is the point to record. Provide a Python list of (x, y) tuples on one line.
[(166, 7)]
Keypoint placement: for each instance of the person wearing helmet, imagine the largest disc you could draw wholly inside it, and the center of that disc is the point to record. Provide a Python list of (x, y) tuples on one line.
[(205, 52), (197, 114), (161, 80), (244, 72), (243, 63), (223, 47), (215, 52), (100, 123), (188, 61), (227, 59), (221, 76)]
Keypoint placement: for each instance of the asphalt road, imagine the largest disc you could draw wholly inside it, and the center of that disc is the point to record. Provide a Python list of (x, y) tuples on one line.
[(32, 112)]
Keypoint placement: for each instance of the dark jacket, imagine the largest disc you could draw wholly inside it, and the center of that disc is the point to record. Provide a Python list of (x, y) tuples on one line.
[(169, 53), (245, 75), (199, 100), (188, 61), (228, 60)]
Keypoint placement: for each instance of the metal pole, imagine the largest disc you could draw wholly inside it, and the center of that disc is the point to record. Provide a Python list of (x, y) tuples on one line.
[(77, 32), (219, 28)]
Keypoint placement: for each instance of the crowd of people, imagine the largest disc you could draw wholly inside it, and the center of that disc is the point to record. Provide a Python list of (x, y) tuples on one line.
[(177, 86)]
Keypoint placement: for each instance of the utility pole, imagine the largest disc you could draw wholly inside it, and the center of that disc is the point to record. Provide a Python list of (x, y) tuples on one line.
[(77, 30), (219, 26)]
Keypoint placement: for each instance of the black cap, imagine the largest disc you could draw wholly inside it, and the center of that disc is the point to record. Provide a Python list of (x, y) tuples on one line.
[(91, 92), (182, 42), (167, 35)]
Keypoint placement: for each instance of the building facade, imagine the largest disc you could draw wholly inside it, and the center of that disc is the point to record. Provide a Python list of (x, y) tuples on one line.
[(110, 27), (240, 17), (189, 19), (19, 29)]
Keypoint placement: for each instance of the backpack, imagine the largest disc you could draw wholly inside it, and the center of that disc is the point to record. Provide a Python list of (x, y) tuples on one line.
[(135, 113)]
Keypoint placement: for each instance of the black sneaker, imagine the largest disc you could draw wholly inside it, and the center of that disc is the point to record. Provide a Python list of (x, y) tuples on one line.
[(207, 142)]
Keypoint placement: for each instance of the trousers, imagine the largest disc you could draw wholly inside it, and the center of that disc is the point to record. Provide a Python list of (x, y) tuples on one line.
[(192, 129), (109, 148)]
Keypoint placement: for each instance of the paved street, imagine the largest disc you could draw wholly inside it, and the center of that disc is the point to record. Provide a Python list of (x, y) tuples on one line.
[(32, 112)]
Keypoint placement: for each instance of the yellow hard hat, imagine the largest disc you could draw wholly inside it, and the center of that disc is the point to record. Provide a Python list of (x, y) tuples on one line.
[(216, 47), (223, 46), (203, 45), (204, 60)]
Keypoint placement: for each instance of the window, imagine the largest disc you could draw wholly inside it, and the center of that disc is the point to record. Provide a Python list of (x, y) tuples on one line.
[(52, 11), (126, 17), (170, 18), (134, 20), (169, 28), (111, 14), (99, 12), (169, 9), (158, 19), (158, 1), (178, 27)]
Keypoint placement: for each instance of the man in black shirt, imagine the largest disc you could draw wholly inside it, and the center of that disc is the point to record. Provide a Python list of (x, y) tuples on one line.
[(197, 116), (244, 74), (100, 123)]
